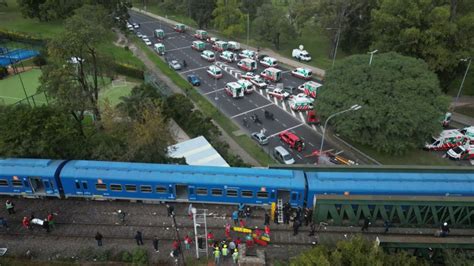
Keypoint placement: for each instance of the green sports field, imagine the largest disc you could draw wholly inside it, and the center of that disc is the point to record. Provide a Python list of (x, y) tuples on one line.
[(11, 89)]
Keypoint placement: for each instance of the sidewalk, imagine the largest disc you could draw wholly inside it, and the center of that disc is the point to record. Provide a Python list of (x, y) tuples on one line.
[(284, 60)]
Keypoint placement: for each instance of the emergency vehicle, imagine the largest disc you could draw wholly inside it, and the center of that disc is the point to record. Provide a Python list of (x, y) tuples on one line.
[(228, 56), (465, 152), (247, 75), (214, 72), (302, 73), (246, 85), (279, 93), (448, 139), (247, 64), (198, 45), (212, 40), (159, 48), (220, 46), (301, 104), (247, 54), (234, 46), (269, 61), (310, 88), (200, 34), (271, 74), (292, 140), (159, 33), (208, 55), (179, 28), (234, 89), (259, 82)]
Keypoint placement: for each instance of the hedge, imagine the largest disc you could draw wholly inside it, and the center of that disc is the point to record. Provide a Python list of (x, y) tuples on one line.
[(128, 70), (21, 37)]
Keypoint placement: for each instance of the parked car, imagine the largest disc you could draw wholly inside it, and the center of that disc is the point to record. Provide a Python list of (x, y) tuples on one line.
[(174, 64), (292, 140), (247, 75), (279, 94), (259, 82), (139, 35), (194, 80), (147, 41), (136, 25), (260, 138), (282, 155)]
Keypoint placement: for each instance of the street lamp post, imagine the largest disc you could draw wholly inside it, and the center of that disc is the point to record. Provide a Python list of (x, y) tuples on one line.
[(337, 44), (462, 82), (353, 108), (372, 55)]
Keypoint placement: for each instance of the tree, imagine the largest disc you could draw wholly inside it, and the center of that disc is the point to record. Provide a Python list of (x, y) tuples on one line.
[(250, 7), (357, 251), (401, 100), (41, 132), (272, 25), (202, 12), (439, 32), (302, 14), (30, 8), (140, 96), (77, 66), (228, 18)]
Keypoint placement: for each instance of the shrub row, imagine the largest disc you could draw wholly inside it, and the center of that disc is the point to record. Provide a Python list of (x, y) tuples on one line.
[(21, 37), (128, 70)]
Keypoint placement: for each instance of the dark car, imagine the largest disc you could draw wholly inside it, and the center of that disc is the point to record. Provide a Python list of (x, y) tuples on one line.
[(194, 80)]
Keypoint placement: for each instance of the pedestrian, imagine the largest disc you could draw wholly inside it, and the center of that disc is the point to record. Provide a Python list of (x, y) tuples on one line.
[(365, 226), (217, 255), (267, 230), (257, 232), (306, 216), (175, 245), (444, 230), (248, 212), (98, 237), (50, 219), (26, 223), (227, 230), (275, 217), (235, 217), (232, 247), (238, 242), (139, 238), (3, 222), (225, 252), (10, 207), (242, 223), (155, 243), (210, 238), (46, 225), (296, 226), (184, 63), (267, 219), (249, 240), (121, 215), (235, 256), (187, 242), (313, 229), (170, 209), (387, 225), (190, 211)]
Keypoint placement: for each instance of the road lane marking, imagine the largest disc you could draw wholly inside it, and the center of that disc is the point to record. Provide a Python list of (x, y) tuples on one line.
[(176, 49), (194, 69), (301, 116), (251, 110), (213, 91)]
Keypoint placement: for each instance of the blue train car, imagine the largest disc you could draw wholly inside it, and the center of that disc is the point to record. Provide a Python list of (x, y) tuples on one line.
[(30, 177), (384, 181), (140, 181)]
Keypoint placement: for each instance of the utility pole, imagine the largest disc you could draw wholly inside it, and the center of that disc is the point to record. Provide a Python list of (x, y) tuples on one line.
[(248, 28), (178, 238)]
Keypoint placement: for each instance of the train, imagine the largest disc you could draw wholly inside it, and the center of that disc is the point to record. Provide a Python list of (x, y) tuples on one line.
[(299, 186)]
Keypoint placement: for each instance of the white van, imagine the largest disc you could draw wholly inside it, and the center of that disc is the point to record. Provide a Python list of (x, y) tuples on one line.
[(282, 155)]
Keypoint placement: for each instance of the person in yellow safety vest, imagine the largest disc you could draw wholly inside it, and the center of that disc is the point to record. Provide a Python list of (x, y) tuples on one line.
[(225, 252), (217, 254), (235, 256)]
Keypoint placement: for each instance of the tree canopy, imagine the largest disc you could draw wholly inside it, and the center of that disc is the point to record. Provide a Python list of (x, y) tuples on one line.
[(228, 18), (357, 251), (202, 12), (273, 25), (401, 99)]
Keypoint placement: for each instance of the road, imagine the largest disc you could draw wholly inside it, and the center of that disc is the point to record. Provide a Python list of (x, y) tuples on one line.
[(178, 46)]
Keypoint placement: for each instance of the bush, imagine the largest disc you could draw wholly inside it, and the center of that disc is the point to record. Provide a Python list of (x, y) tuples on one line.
[(3, 72), (126, 256), (21, 37), (140, 257), (40, 60), (128, 70)]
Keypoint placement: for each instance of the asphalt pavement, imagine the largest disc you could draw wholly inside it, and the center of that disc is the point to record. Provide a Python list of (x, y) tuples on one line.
[(178, 46)]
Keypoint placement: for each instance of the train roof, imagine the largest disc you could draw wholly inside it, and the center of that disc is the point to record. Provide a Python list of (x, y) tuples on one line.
[(386, 182), (28, 167), (182, 174)]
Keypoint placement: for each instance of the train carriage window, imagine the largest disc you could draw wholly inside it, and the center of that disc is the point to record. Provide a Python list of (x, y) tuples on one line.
[(160, 189), (115, 187), (84, 185), (262, 194), (246, 193), (145, 189), (201, 191), (78, 186), (100, 187), (272, 195), (231, 193), (216, 192), (293, 196), (17, 183), (3, 183), (131, 188)]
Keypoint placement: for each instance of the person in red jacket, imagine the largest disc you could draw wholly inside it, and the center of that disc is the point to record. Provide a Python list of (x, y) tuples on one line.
[(26, 223), (187, 241), (210, 238)]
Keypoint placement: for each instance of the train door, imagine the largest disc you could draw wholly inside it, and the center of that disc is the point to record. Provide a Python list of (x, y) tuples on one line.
[(37, 185), (78, 187), (85, 188), (284, 195), (295, 199), (182, 192), (192, 193)]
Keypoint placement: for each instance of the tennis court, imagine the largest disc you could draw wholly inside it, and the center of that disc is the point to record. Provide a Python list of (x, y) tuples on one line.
[(11, 90)]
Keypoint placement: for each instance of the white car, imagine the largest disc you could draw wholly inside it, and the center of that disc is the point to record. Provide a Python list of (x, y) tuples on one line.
[(279, 94), (301, 96), (259, 82), (247, 75), (136, 25), (140, 35), (147, 41)]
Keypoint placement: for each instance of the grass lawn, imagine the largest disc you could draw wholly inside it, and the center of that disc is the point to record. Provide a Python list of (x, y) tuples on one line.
[(113, 93), (11, 90)]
